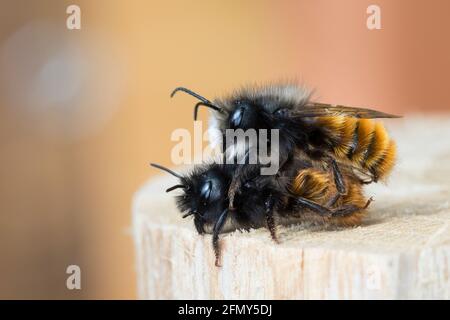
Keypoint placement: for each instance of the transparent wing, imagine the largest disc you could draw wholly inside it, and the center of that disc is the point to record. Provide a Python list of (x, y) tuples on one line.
[(316, 109)]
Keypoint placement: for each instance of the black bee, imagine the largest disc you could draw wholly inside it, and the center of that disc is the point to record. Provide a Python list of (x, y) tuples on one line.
[(298, 193), (330, 135)]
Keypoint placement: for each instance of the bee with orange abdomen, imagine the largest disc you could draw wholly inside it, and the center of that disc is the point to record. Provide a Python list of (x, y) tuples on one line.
[(331, 135), (300, 192)]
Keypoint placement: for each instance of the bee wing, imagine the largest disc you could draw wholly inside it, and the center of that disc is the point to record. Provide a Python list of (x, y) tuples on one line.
[(317, 109), (349, 168)]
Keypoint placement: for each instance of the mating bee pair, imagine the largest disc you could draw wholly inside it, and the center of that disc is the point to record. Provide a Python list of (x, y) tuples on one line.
[(326, 154)]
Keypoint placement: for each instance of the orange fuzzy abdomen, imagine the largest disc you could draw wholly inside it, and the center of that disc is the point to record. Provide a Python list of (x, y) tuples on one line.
[(363, 142), (318, 186)]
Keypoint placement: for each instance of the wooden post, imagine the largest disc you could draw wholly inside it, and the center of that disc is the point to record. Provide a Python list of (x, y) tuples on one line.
[(402, 251)]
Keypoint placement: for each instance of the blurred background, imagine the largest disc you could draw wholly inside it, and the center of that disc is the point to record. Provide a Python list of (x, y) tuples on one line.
[(83, 112)]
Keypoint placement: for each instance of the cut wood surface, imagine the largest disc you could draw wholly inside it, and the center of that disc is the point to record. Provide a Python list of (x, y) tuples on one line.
[(402, 250)]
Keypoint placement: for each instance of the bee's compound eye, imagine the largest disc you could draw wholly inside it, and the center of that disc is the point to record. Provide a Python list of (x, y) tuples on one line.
[(205, 191), (236, 117), (281, 112)]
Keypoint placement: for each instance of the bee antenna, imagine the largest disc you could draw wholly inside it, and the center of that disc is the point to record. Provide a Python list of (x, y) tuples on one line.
[(190, 92), (176, 187), (205, 104), (188, 214), (166, 169)]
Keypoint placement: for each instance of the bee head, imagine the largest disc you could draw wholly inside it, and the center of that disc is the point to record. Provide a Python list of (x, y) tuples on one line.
[(265, 107), (246, 114), (204, 194)]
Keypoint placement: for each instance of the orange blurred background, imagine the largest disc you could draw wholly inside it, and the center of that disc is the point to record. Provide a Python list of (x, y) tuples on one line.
[(83, 112)]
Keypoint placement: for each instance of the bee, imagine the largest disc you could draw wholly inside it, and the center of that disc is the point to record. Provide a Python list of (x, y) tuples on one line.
[(299, 193), (333, 136)]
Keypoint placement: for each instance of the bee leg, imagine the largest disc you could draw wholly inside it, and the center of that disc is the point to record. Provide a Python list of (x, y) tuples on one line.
[(271, 227), (366, 181), (350, 209), (374, 176), (269, 203), (345, 211), (324, 211), (313, 206), (215, 237), (338, 179), (368, 203), (333, 200)]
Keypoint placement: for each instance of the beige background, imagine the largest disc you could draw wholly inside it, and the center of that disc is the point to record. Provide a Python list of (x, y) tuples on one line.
[(83, 112)]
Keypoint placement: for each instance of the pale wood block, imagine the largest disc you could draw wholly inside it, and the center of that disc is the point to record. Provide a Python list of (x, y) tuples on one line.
[(402, 251)]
